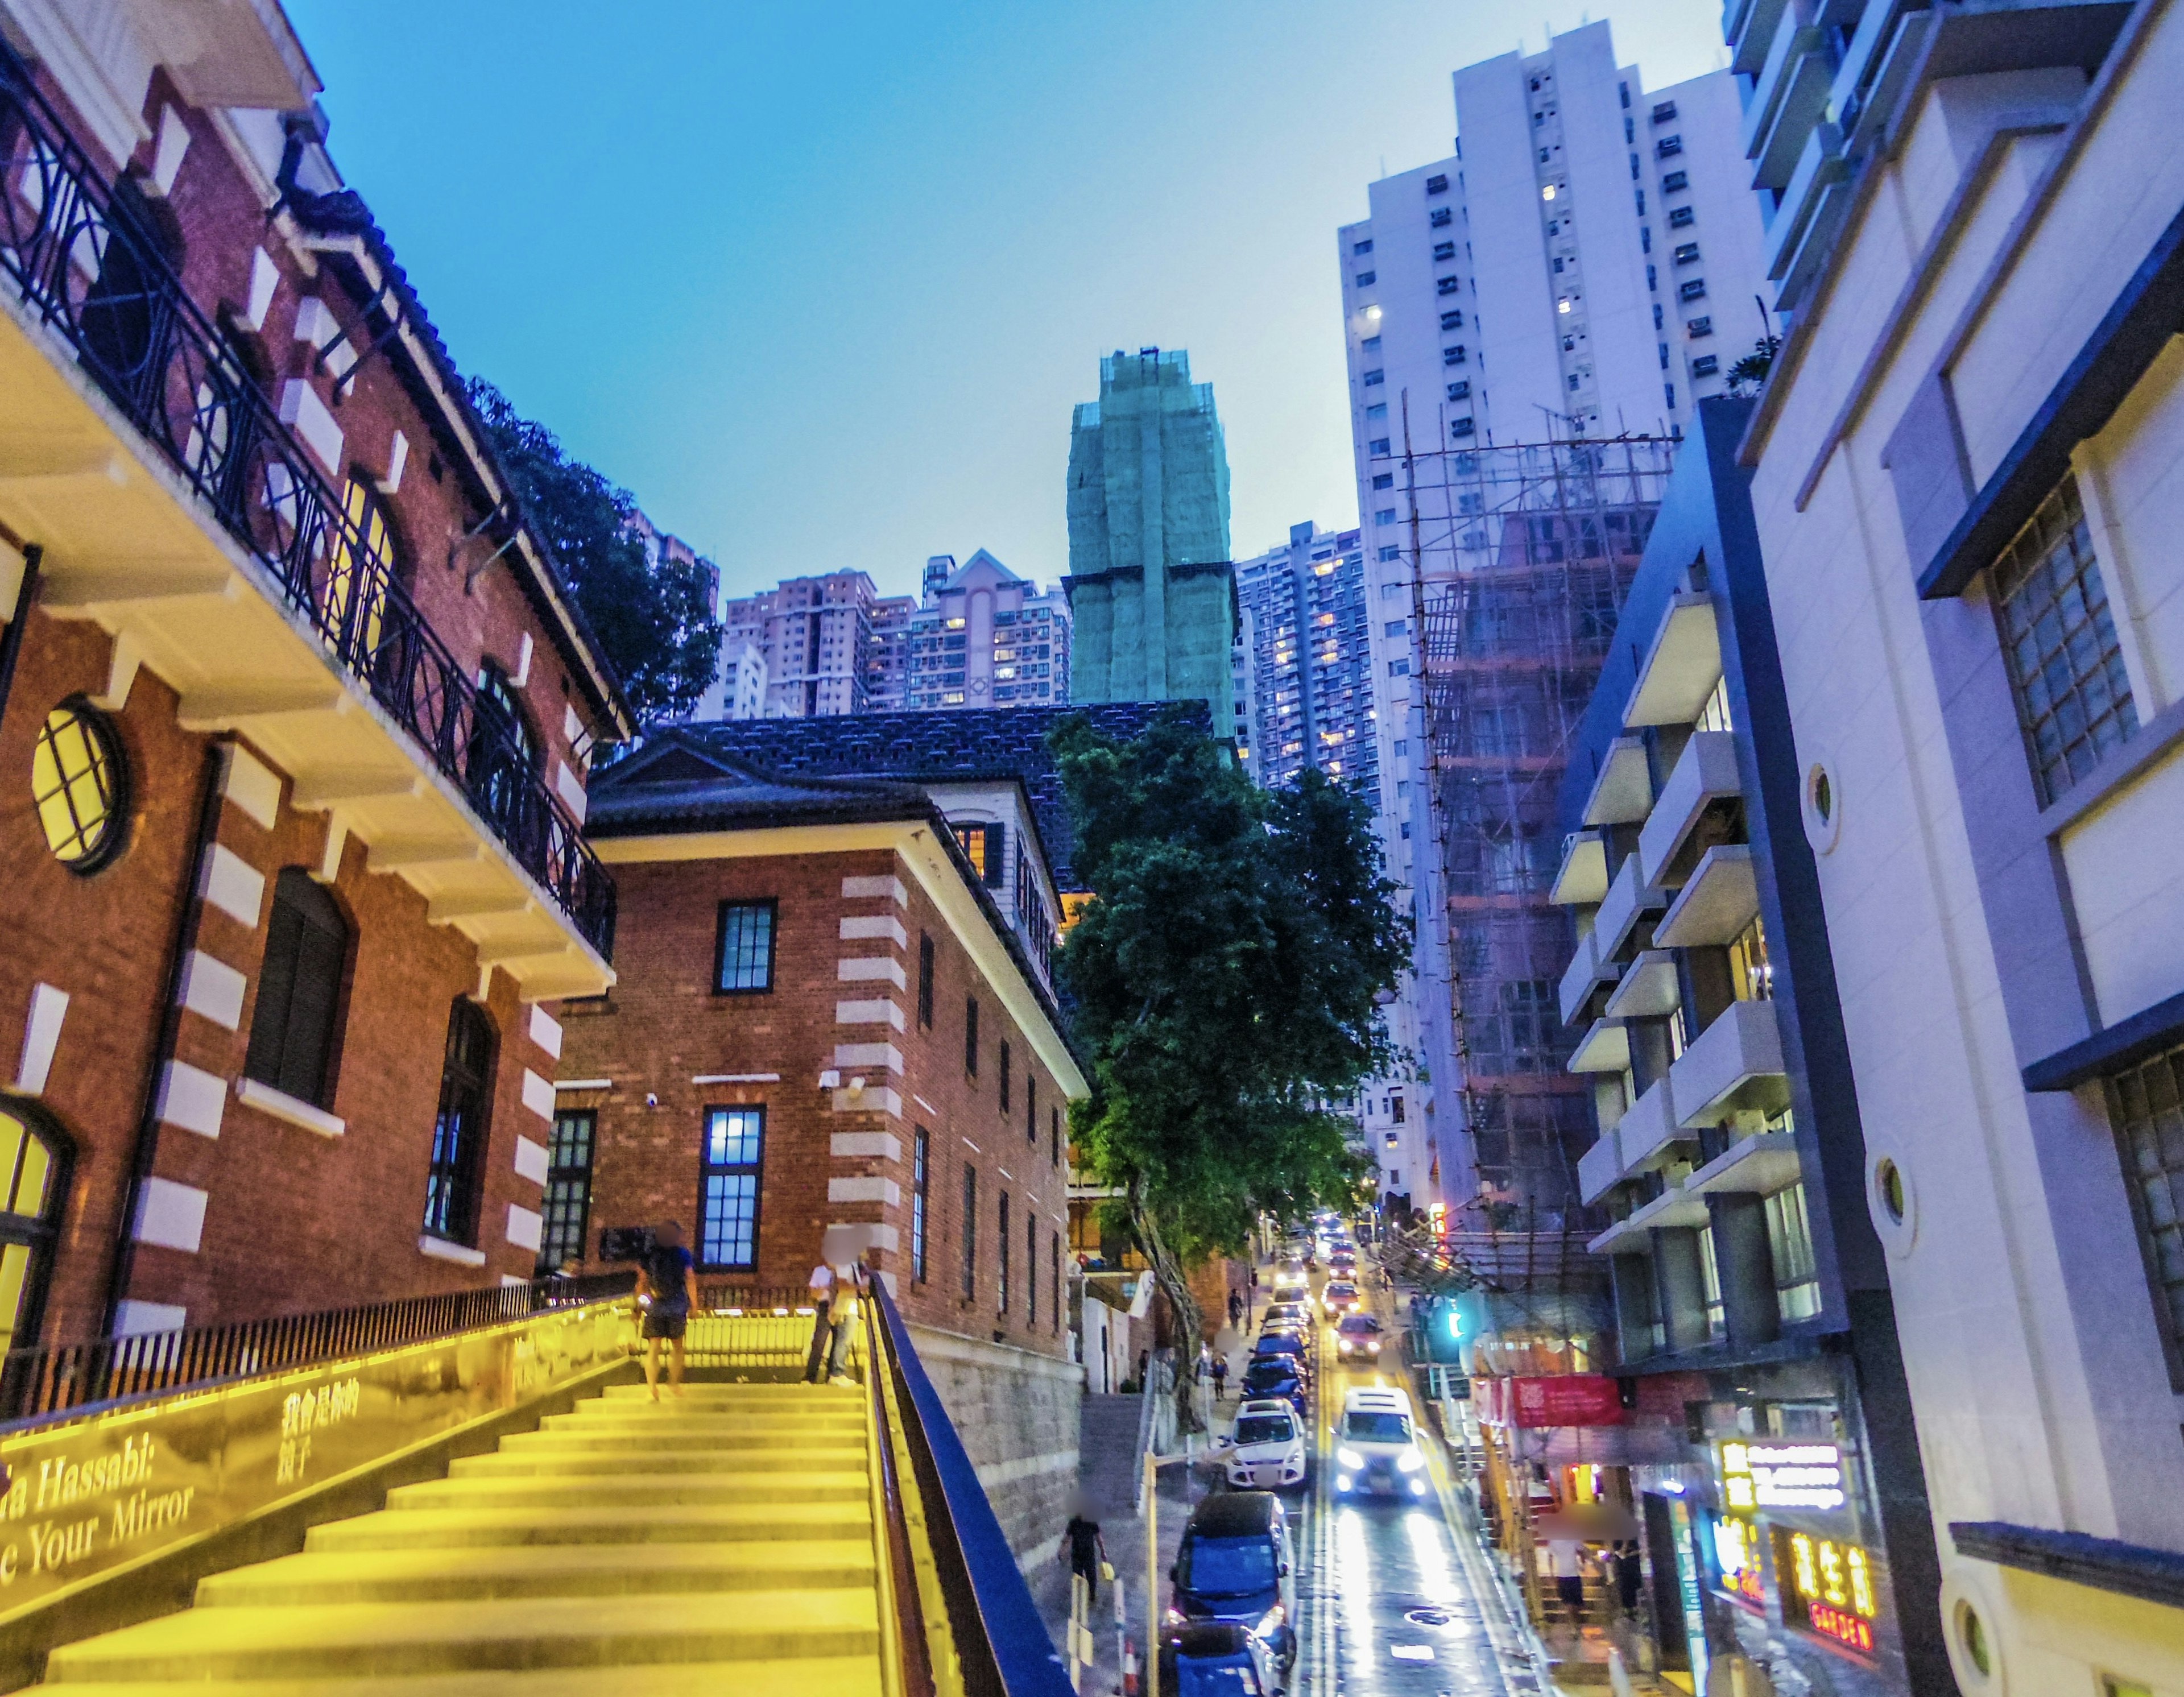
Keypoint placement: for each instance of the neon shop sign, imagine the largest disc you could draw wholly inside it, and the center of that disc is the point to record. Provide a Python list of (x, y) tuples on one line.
[(1831, 1587), (1781, 1476)]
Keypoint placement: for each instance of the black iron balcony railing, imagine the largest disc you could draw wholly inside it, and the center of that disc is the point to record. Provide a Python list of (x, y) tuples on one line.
[(39, 1384), (86, 259)]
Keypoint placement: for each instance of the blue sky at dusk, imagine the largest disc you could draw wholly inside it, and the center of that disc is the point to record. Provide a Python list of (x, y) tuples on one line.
[(820, 286)]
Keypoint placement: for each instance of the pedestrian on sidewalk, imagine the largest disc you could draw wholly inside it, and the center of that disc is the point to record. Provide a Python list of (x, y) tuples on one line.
[(1235, 1310), (1630, 1573), (1220, 1376), (1085, 1550), (667, 1292)]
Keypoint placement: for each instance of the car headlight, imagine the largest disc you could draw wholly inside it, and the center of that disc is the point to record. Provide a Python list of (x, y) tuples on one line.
[(1373, 1346), (1351, 1459), (1270, 1622), (1175, 1617), (1410, 1462)]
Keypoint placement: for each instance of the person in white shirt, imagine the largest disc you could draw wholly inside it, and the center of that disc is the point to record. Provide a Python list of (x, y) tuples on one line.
[(822, 1286)]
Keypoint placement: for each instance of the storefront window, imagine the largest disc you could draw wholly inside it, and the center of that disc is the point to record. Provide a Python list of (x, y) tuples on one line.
[(1790, 1241)]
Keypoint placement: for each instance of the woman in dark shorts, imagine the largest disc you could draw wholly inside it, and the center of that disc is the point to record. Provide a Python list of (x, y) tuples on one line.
[(667, 1292)]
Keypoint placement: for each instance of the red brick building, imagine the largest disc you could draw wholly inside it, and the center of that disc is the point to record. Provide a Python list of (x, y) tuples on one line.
[(295, 719), (829, 1028)]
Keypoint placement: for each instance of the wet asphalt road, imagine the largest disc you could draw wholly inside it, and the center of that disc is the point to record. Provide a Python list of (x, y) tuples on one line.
[(1394, 1599)]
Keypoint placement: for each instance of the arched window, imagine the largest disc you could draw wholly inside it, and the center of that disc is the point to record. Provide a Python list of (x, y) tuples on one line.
[(358, 573), (33, 1186), (295, 1028), (504, 747), (459, 1129)]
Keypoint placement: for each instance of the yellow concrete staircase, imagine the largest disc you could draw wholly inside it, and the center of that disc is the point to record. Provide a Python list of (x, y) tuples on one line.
[(720, 1543)]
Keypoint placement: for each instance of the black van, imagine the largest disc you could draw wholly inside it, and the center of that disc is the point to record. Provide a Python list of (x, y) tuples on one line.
[(1235, 1565)]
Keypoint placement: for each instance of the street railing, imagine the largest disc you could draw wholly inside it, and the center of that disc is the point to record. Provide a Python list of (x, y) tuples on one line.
[(86, 259), (39, 1384)]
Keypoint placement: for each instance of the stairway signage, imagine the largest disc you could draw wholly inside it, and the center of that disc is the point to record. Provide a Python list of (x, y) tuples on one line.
[(101, 1491)]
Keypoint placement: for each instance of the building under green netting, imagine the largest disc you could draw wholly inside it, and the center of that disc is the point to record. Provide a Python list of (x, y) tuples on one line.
[(1150, 590)]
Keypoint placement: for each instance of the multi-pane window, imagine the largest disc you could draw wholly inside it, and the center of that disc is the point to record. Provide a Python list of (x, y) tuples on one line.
[(1031, 1108), (1001, 1271), (1750, 977), (33, 1184), (728, 1188), (451, 1181), (746, 953), (2065, 666), (293, 1027), (566, 1205), (1717, 1317), (971, 1035), (984, 845), (970, 1232), (1790, 1243), (925, 980), (1715, 716), (80, 787), (1003, 1079), (921, 1189), (2146, 1106)]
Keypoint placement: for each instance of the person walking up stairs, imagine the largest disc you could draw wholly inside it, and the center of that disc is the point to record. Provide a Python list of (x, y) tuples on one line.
[(719, 1542)]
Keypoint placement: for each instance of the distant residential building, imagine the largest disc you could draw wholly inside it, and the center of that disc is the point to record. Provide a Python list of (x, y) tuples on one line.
[(816, 637), (1311, 660), (1243, 676), (1149, 580), (887, 655), (662, 549), (984, 638), (742, 685)]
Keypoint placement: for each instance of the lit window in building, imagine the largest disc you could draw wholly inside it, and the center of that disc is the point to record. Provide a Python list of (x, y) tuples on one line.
[(1715, 716), (452, 1179), (746, 955), (727, 1198), (80, 786), (1751, 978), (566, 1205), (31, 1174)]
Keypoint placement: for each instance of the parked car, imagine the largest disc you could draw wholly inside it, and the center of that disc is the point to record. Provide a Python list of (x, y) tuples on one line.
[(1235, 1565), (1293, 1290), (1218, 1659), (1376, 1449), (1284, 1313), (1357, 1337), (1264, 1447), (1275, 1377), (1289, 1343)]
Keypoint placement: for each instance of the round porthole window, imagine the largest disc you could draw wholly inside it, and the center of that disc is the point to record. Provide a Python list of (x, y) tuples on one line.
[(79, 786), (1822, 800), (1976, 1654), (1888, 1185), (1893, 1203)]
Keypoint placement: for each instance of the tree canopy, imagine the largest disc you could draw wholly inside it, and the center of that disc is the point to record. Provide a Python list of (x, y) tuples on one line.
[(655, 625), (1226, 976)]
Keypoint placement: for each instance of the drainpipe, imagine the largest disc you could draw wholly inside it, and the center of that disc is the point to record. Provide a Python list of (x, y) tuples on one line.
[(11, 644), (189, 909)]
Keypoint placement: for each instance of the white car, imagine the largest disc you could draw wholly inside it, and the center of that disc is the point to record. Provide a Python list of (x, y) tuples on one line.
[(1265, 1448), (1376, 1447)]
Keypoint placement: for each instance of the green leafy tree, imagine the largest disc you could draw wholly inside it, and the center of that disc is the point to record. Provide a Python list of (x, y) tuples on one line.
[(656, 626), (1226, 976)]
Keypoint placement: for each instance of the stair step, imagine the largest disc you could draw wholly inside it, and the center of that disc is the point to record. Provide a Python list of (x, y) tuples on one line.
[(424, 1575), (632, 1489), (713, 1436), (844, 1457), (818, 1676), (378, 1638), (763, 1392), (480, 1527), (618, 1425)]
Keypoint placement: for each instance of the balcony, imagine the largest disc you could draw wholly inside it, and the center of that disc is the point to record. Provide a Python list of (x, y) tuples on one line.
[(1583, 973), (1648, 1131), (1748, 26), (1734, 1065), (1757, 1165), (177, 512), (1582, 878), (1704, 774), (1648, 989), (1719, 899), (1672, 1210), (1622, 789), (1811, 210), (1627, 901), (1604, 1047), (1681, 667), (1789, 99), (1600, 1168)]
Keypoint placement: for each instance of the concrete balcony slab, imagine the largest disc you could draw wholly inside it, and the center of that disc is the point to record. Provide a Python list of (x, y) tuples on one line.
[(1757, 1166), (1733, 1065), (1600, 1168), (1649, 988), (1672, 1210), (1648, 1130), (1628, 900), (1705, 773), (1681, 666), (1604, 1047), (1719, 899), (1582, 878), (1623, 788), (1581, 977)]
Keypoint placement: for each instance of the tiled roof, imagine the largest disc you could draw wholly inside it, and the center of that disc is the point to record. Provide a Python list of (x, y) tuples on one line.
[(950, 746), (668, 786)]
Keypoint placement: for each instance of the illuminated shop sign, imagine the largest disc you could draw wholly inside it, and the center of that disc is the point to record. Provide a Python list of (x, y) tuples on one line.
[(1781, 1476), (1827, 1587), (1736, 1555)]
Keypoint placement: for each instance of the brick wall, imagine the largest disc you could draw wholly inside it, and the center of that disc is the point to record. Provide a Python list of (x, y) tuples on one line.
[(832, 1157), (293, 1219)]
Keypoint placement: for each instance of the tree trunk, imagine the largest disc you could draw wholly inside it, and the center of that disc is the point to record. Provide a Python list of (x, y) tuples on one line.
[(1167, 1272)]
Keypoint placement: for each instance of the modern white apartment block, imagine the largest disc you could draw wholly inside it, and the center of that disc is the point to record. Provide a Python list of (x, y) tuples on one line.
[(741, 686), (1968, 487), (985, 637), (887, 657), (1310, 658)]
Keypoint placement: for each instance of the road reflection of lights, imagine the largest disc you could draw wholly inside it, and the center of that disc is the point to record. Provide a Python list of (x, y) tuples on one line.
[(1353, 1578), (1437, 1581)]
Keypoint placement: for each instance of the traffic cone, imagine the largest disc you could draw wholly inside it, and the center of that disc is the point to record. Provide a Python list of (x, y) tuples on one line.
[(1129, 1669)]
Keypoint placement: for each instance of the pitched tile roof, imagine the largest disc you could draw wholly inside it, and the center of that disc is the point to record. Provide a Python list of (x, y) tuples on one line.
[(943, 747)]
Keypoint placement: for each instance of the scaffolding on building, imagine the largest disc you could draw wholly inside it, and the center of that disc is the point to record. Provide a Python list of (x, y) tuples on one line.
[(1520, 559)]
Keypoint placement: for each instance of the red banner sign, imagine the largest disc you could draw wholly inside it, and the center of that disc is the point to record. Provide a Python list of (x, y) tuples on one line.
[(1566, 1399)]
